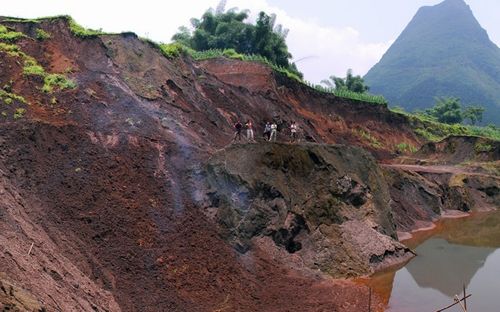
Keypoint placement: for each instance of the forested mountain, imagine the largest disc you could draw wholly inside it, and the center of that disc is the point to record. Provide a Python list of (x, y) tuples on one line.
[(443, 51)]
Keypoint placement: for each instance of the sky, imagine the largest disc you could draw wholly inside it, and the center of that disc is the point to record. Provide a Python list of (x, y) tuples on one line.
[(326, 37)]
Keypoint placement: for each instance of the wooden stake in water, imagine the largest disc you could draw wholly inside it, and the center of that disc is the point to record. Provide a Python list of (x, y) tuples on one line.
[(465, 299), (454, 304), (458, 300)]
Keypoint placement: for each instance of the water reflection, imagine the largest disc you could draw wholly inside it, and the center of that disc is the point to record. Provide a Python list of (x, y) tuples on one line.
[(458, 252), (446, 267)]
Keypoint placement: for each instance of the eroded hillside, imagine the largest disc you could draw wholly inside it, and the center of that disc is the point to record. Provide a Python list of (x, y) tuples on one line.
[(121, 190)]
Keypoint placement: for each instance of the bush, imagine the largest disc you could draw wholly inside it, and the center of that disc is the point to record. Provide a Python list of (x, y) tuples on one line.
[(42, 34), (10, 36), (172, 50), (31, 67), (9, 97), (19, 113), (81, 31), (10, 49), (57, 80), (231, 53), (405, 148), (483, 147)]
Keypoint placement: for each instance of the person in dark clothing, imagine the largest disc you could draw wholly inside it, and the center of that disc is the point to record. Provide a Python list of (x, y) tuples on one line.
[(267, 131), (237, 127)]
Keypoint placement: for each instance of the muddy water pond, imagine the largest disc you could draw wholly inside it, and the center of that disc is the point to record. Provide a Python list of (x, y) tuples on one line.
[(457, 252)]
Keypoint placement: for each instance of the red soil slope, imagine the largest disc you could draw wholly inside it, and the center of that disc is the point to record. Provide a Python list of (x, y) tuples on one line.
[(99, 178)]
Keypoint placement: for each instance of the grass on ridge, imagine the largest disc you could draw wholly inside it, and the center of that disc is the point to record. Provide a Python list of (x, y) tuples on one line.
[(435, 131)]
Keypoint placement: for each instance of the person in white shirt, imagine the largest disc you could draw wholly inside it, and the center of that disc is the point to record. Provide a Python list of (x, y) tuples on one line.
[(293, 131), (249, 127), (274, 129)]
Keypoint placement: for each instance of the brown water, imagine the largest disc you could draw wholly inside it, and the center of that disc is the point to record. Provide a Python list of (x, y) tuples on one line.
[(459, 252)]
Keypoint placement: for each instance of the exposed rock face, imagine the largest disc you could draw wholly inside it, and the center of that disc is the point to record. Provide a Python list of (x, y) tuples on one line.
[(420, 195), (327, 204), (459, 149)]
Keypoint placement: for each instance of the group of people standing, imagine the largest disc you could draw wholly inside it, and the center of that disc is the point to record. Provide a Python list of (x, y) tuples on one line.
[(270, 131)]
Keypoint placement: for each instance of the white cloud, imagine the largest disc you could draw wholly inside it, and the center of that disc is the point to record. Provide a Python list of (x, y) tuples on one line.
[(324, 50)]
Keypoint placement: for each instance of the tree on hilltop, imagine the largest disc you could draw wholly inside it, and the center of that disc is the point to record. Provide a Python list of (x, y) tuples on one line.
[(446, 110), (221, 29), (350, 82), (474, 113)]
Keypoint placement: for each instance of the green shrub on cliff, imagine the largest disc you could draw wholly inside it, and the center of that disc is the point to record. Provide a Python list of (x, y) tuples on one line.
[(31, 67), (10, 49), (172, 50), (81, 31), (19, 113), (9, 97), (405, 148), (481, 147), (432, 130), (42, 34), (10, 36), (57, 80)]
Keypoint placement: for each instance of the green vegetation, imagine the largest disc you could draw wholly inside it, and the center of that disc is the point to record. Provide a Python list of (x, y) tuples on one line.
[(81, 31), (8, 97), (75, 28), (442, 52), (344, 93), (349, 83), (474, 113), (481, 147), (172, 50), (10, 49), (50, 81), (351, 87), (10, 36), (449, 110), (432, 130), (42, 34), (19, 113), (220, 30), (367, 137), (22, 20), (405, 148), (31, 67), (57, 80)]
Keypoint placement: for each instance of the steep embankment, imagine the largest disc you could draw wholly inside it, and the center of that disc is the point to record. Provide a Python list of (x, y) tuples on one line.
[(451, 177), (103, 148)]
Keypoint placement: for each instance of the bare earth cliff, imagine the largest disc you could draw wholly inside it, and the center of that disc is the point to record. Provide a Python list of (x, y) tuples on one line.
[(124, 192)]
